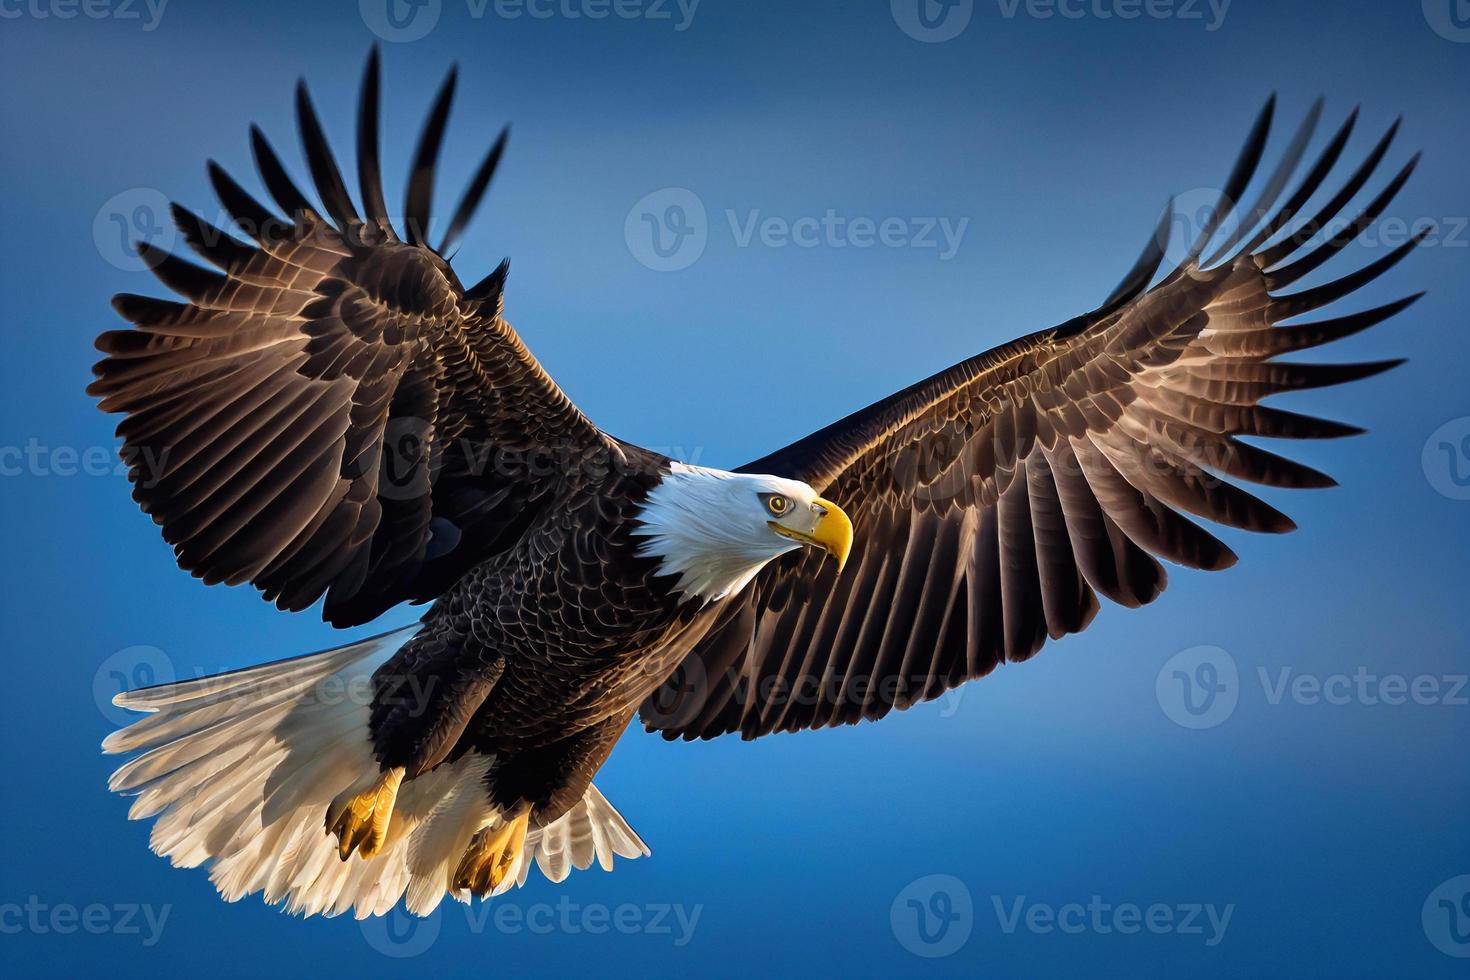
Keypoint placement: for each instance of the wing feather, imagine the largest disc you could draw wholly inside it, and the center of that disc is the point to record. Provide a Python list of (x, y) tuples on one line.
[(286, 422), (995, 501), (418, 207)]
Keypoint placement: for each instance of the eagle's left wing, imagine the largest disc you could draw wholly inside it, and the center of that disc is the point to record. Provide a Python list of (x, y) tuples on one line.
[(994, 501), (329, 412)]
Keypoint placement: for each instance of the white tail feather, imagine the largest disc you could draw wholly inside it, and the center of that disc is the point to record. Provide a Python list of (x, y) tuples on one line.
[(239, 770)]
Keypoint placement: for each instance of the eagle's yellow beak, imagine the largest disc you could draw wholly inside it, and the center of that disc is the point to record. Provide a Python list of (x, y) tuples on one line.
[(833, 533)]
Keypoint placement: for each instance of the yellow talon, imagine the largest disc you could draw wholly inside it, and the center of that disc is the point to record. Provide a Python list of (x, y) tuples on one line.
[(491, 855), (360, 821)]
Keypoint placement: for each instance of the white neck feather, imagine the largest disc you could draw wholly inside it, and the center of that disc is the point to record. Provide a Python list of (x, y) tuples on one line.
[(699, 523)]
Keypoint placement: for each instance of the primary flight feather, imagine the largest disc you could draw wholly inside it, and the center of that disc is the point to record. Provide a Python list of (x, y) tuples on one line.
[(330, 414)]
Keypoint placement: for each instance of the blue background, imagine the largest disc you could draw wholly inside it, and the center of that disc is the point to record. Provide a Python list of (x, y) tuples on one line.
[(1325, 826)]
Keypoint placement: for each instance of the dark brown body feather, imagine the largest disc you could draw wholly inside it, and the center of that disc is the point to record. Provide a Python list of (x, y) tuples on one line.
[(541, 654)]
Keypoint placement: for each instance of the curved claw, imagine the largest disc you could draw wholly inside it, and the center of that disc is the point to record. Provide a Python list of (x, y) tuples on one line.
[(491, 855), (360, 821)]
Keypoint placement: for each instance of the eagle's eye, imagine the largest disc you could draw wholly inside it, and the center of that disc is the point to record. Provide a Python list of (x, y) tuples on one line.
[(777, 504)]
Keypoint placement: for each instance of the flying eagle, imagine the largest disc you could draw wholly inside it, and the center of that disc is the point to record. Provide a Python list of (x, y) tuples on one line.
[(329, 413)]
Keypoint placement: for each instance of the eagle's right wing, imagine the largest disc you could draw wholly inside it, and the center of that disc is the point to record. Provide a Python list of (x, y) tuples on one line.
[(995, 501), (332, 412)]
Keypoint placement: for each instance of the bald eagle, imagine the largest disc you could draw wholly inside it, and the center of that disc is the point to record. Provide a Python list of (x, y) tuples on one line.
[(329, 413)]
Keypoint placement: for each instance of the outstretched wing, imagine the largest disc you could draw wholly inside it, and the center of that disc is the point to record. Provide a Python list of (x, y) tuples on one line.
[(332, 412), (997, 499)]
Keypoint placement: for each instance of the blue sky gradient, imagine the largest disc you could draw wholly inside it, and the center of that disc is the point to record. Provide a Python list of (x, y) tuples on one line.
[(1047, 144)]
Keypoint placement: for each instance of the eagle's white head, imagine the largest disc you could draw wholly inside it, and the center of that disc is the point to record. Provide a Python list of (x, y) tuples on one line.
[(716, 529)]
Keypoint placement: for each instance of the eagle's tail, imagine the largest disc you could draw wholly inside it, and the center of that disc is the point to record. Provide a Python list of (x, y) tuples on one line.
[(239, 769)]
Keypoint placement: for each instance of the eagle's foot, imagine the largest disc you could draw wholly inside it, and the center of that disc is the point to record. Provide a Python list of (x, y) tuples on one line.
[(491, 854), (360, 821)]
